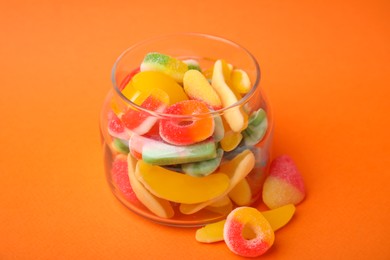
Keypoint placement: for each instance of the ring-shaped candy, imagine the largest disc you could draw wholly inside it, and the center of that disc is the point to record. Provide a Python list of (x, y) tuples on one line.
[(184, 132), (247, 232)]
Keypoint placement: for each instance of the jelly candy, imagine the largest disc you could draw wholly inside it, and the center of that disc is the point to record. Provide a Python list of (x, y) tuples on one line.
[(241, 194), (234, 116), (197, 87), (240, 81), (120, 178), (284, 184), (221, 210), (160, 153), (158, 206), (142, 83), (140, 122), (116, 128), (121, 146), (219, 130), (247, 233), (178, 187), (277, 218), (237, 169), (257, 127), (192, 64), (203, 168), (231, 139), (187, 131), (171, 66)]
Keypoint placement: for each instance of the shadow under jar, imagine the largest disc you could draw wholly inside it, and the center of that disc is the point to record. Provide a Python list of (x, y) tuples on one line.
[(196, 182)]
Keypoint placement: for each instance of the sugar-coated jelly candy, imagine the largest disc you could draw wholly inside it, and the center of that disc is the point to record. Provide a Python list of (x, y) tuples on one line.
[(192, 64), (277, 218), (121, 146), (140, 121), (171, 66), (235, 117), (179, 131), (120, 178), (284, 184), (156, 205), (247, 232), (197, 87), (237, 169), (203, 168), (115, 127), (142, 83), (257, 127), (160, 153), (178, 187)]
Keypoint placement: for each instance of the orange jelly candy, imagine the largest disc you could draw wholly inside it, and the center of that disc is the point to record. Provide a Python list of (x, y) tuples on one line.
[(179, 131)]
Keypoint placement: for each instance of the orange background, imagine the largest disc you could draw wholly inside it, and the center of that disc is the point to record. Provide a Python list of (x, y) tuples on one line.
[(325, 68)]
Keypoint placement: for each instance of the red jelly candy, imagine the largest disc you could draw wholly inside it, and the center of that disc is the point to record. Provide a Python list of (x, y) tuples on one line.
[(140, 122), (180, 131), (116, 127), (120, 178)]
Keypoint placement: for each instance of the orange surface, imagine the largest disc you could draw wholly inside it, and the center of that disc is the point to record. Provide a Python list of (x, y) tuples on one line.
[(325, 68)]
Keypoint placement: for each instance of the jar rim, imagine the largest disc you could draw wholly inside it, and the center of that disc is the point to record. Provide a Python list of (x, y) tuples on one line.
[(254, 85)]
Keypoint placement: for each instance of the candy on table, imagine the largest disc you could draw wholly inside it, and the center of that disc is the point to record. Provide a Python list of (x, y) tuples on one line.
[(241, 194), (277, 218), (235, 117), (171, 66), (247, 233), (192, 64), (115, 127), (197, 87), (189, 130), (280, 216), (240, 81), (237, 169), (231, 139), (160, 153), (284, 184), (141, 84), (158, 206), (257, 127), (120, 178), (203, 168), (121, 146), (139, 121), (178, 187)]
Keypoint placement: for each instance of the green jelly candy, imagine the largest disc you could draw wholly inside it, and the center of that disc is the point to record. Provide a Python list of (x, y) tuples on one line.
[(161, 62), (159, 153), (120, 145), (192, 64), (257, 127), (203, 168)]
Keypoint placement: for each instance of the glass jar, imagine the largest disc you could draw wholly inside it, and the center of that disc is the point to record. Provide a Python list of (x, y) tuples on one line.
[(195, 183)]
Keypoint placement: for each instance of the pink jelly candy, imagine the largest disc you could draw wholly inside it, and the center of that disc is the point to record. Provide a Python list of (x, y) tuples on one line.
[(184, 132), (116, 128), (140, 122), (284, 185), (120, 178)]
